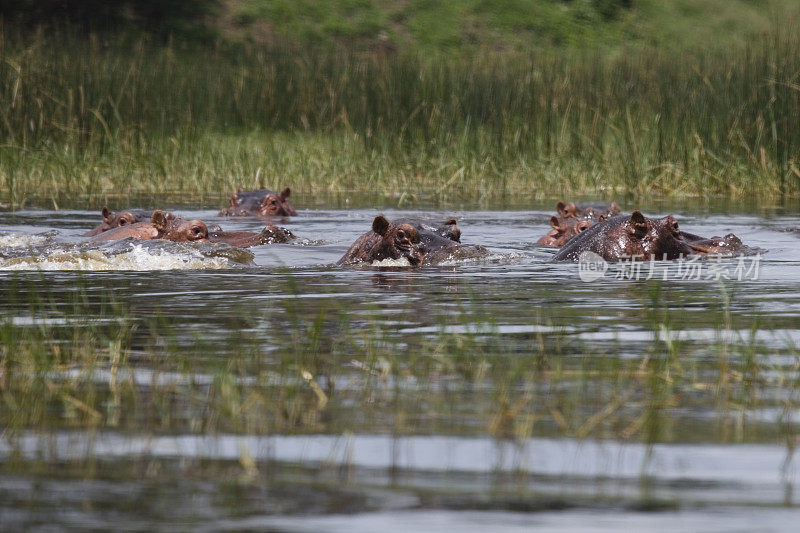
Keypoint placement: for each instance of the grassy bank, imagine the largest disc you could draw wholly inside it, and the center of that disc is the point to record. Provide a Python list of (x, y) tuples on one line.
[(463, 27), (94, 116)]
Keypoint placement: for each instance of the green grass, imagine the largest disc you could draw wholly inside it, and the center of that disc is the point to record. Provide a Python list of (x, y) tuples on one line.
[(463, 27), (93, 117)]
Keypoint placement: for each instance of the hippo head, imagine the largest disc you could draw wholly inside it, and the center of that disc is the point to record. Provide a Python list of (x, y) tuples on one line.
[(115, 220), (452, 231), (567, 210), (275, 204), (728, 245), (563, 230), (660, 239), (178, 229), (401, 240)]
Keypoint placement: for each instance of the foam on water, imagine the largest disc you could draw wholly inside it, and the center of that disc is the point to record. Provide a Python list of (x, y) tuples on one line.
[(392, 263), (15, 240), (137, 258)]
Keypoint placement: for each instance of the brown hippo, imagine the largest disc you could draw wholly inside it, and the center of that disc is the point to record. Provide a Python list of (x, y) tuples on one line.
[(640, 238), (587, 211), (729, 245), (159, 227), (245, 239), (564, 228), (385, 241), (447, 229), (113, 219), (629, 237), (393, 240), (261, 202), (436, 249)]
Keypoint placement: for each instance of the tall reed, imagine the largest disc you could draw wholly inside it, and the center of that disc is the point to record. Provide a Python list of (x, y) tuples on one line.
[(723, 123)]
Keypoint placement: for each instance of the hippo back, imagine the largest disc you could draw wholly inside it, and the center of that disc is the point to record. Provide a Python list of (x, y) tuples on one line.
[(604, 238)]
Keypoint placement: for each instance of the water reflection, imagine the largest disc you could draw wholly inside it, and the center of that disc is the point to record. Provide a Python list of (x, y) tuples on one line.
[(216, 368)]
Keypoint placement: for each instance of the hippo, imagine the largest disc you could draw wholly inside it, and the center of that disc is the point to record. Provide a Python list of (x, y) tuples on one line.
[(260, 202), (564, 228), (385, 241), (637, 237), (587, 211), (245, 239), (113, 220), (447, 229), (160, 227), (728, 245), (629, 237), (421, 247), (436, 249)]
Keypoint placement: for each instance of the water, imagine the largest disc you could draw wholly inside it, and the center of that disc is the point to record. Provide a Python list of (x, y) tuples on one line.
[(268, 389)]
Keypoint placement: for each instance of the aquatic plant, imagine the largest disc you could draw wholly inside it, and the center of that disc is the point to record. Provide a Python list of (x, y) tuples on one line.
[(91, 117)]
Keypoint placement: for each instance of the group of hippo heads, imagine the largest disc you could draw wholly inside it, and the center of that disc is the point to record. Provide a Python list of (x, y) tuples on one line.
[(575, 229), (157, 224), (599, 228)]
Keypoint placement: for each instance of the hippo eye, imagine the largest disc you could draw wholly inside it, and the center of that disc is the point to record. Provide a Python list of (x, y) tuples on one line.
[(401, 234), (196, 230), (123, 222)]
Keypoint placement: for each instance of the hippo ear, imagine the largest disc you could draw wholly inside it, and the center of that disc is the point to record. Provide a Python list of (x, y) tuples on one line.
[(285, 193), (232, 202), (238, 190), (380, 225), (602, 218), (638, 223), (450, 222), (159, 220), (555, 223), (561, 208), (107, 214), (614, 207)]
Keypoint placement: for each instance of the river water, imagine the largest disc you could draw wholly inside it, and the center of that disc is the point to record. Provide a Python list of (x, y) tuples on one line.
[(404, 430)]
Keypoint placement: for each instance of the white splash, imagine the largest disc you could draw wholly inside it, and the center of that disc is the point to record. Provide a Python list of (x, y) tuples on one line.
[(402, 262), (137, 258), (14, 240)]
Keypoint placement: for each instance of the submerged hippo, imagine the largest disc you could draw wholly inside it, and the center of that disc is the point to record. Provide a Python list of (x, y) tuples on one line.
[(637, 237), (246, 239), (436, 249), (398, 239), (730, 244), (626, 237), (385, 241), (261, 202), (113, 219), (160, 226), (564, 228), (447, 229), (592, 212)]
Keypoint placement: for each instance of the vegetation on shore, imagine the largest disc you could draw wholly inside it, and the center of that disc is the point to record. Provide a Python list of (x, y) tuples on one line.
[(94, 115)]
